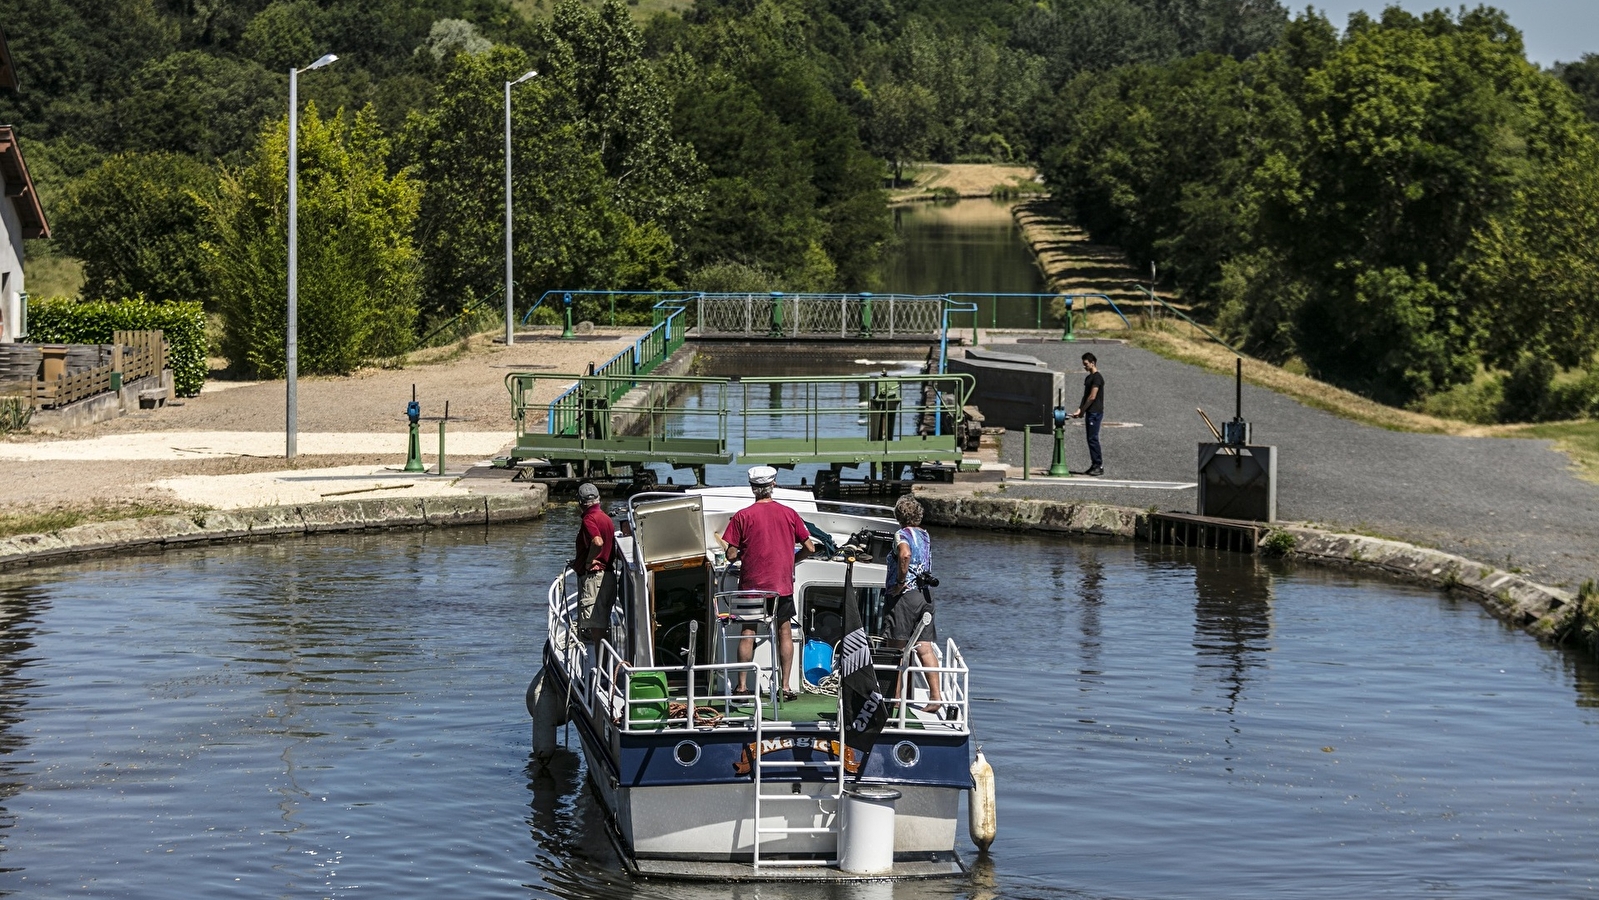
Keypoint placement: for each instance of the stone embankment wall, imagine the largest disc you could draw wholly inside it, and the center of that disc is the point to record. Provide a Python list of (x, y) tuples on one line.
[(161, 532), (1544, 612)]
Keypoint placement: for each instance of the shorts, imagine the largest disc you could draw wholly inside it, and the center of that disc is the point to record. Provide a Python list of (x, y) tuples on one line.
[(782, 610), (902, 616), (595, 593)]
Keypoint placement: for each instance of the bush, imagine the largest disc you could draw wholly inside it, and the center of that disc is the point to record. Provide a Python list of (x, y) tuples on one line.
[(1576, 397), (1526, 397), (1479, 401), (14, 414), (1278, 543), (64, 321)]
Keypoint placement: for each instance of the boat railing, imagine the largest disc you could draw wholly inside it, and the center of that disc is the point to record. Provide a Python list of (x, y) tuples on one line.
[(954, 684), (640, 703), (634, 701)]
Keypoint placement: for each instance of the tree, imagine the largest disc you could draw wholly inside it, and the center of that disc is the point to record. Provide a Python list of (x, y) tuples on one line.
[(1583, 79), (901, 123), (138, 221), (1417, 131), (757, 100), (1540, 263), (198, 104), (570, 228), (359, 277)]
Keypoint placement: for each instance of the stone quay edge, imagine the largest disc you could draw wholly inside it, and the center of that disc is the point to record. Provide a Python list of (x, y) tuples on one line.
[(1542, 611), (216, 526)]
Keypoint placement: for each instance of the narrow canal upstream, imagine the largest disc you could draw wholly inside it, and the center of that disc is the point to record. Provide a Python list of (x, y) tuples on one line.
[(343, 717)]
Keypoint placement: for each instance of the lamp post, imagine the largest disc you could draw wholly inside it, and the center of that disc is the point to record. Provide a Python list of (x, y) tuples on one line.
[(291, 357), (510, 321)]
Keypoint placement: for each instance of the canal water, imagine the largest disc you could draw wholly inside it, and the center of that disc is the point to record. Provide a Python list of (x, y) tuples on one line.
[(343, 717), (970, 247)]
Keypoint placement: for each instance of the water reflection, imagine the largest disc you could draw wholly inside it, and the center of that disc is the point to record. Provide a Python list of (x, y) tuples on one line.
[(345, 715), (1091, 594), (973, 245), (21, 605), (1232, 620)]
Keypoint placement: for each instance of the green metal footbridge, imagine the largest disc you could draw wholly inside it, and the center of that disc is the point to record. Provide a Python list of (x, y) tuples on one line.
[(622, 415)]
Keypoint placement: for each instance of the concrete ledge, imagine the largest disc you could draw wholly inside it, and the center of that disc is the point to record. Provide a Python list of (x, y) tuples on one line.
[(1542, 611), (1031, 515), (1510, 597), (102, 407), (203, 527)]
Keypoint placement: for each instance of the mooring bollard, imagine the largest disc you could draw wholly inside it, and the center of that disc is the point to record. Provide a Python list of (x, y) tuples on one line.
[(413, 455), (441, 435), (1057, 462)]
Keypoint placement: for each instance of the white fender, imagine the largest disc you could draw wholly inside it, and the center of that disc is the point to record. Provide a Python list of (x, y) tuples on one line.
[(983, 820), (548, 710)]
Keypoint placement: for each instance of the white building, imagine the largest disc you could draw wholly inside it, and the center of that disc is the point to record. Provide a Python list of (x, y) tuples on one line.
[(20, 215)]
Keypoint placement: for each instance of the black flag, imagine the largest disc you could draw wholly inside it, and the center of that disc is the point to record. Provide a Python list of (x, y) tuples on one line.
[(865, 708)]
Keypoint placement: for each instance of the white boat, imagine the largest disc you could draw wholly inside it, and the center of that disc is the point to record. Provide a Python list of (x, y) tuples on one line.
[(701, 782)]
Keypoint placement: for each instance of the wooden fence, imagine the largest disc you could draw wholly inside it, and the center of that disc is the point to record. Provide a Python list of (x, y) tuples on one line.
[(54, 375)]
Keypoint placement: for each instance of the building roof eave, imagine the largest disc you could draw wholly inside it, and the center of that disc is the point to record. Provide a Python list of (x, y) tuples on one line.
[(19, 186)]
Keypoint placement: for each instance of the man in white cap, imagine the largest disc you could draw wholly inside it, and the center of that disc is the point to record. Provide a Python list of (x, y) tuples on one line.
[(763, 535), (596, 542)]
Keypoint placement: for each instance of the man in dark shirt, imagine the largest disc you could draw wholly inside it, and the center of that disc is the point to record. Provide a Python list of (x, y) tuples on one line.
[(1092, 411), (596, 542)]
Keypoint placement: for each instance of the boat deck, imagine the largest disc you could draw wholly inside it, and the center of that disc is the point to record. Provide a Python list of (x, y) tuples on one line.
[(808, 709), (698, 870)]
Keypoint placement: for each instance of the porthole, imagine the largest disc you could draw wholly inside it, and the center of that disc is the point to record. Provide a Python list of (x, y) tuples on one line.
[(907, 754), (687, 753)]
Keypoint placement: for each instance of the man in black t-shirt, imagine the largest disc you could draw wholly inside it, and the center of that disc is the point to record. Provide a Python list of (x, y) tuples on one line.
[(1092, 411)]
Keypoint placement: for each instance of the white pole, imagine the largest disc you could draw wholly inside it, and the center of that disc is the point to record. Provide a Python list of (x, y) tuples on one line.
[(510, 312), (290, 352), (510, 334), (291, 357)]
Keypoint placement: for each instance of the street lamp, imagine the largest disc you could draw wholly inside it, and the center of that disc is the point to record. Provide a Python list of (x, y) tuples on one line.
[(291, 358), (510, 322)]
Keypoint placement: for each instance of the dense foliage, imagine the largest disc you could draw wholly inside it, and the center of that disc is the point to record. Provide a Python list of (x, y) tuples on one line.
[(1398, 206), (1394, 206), (62, 321), (359, 276)]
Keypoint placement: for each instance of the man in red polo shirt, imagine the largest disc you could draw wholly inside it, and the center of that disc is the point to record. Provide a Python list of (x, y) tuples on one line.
[(763, 535), (596, 541)]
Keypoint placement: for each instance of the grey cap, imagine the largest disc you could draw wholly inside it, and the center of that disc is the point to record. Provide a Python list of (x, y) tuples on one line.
[(763, 475), (588, 493)]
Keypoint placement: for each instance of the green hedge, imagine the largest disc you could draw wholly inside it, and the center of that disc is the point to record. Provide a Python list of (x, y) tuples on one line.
[(61, 320)]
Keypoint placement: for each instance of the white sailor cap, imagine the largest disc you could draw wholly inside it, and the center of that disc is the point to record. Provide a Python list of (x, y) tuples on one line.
[(761, 476)]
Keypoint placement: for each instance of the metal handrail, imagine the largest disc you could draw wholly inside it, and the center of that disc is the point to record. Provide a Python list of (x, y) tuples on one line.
[(1184, 317), (612, 294), (964, 384), (608, 682)]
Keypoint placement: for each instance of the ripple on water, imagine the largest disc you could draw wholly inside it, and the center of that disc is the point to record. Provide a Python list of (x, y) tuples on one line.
[(344, 716)]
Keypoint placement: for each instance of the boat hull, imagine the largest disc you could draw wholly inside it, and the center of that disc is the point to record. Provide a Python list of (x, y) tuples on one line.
[(674, 820)]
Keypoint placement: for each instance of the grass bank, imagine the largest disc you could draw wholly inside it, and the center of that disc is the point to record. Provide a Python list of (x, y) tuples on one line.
[(68, 515), (953, 181), (1578, 440), (1073, 263)]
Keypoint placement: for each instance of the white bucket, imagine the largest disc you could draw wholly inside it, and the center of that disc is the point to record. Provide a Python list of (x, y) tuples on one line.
[(866, 842)]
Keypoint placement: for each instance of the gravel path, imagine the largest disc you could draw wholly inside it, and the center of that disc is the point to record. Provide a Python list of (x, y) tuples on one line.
[(1510, 502), (353, 421)]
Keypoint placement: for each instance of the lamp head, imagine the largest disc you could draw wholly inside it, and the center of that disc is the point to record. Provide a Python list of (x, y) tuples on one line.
[(326, 60), (525, 76)]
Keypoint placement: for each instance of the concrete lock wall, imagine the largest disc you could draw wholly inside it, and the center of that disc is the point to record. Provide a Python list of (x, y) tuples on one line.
[(1012, 394)]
